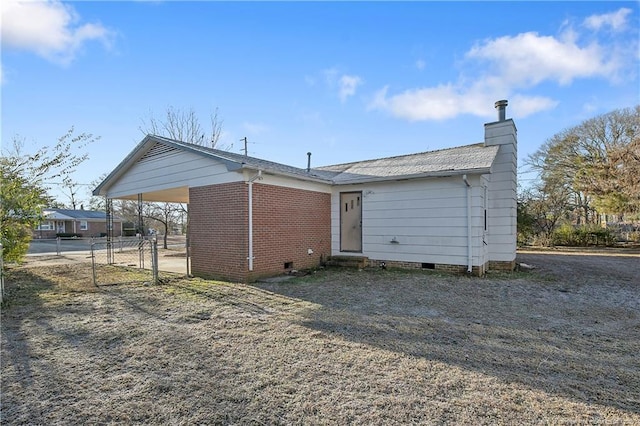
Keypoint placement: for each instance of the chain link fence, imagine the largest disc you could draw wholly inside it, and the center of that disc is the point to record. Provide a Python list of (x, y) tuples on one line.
[(124, 261), (1, 274)]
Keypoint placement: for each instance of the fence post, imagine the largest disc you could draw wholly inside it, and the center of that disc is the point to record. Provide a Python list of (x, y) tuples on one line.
[(187, 252), (58, 245), (154, 259), (93, 265), (1, 274)]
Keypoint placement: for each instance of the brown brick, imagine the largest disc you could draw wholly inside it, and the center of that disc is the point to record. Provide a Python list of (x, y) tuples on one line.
[(286, 223)]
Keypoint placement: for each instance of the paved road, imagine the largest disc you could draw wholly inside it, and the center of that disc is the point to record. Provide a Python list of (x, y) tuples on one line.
[(47, 246), (52, 246)]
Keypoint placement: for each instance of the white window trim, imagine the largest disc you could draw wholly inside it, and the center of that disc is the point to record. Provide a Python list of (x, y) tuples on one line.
[(47, 225), (84, 225)]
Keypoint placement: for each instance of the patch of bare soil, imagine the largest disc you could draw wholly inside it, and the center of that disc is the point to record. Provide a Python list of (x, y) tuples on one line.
[(555, 345)]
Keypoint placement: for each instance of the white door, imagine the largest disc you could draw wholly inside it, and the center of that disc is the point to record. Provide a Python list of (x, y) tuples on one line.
[(351, 221)]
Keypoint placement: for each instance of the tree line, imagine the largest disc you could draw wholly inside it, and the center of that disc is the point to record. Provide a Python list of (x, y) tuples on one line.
[(587, 175)]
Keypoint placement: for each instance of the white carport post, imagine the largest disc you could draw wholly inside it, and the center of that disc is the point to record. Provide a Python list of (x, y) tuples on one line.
[(108, 228)]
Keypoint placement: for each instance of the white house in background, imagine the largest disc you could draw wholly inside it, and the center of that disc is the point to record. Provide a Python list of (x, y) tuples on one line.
[(452, 209)]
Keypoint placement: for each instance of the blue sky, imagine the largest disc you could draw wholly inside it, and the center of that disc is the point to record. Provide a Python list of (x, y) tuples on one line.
[(346, 81)]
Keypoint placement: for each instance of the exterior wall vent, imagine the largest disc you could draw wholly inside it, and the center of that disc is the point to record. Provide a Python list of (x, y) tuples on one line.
[(158, 151)]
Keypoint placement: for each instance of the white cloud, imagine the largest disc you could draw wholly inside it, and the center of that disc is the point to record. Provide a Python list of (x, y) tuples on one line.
[(528, 58), (505, 67), (448, 101), (49, 29), (436, 103), (348, 86), (345, 84), (616, 20), (420, 64), (523, 106)]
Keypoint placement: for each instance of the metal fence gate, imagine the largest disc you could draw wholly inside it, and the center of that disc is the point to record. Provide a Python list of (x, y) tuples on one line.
[(124, 261)]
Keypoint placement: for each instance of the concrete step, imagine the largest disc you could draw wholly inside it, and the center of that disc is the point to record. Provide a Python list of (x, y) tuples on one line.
[(348, 261)]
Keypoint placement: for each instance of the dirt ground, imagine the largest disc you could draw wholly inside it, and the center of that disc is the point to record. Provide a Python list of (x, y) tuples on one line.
[(557, 344)]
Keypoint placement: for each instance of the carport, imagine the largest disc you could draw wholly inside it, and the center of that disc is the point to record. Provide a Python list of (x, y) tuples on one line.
[(241, 225), (150, 173)]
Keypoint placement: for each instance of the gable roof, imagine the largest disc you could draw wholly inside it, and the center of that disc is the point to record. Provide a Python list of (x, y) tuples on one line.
[(476, 158), (69, 214), (236, 161)]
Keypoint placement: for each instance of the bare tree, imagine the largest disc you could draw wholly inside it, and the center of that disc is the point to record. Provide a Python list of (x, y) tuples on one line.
[(598, 161), (70, 190), (165, 214), (184, 125)]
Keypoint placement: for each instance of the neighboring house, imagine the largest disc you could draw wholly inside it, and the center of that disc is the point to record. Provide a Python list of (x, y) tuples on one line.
[(83, 223), (451, 209)]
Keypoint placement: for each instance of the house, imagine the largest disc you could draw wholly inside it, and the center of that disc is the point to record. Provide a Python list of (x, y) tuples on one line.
[(81, 223), (452, 209)]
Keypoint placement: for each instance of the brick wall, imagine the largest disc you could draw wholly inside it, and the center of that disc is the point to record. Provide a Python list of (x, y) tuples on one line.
[(218, 220), (495, 265), (287, 223)]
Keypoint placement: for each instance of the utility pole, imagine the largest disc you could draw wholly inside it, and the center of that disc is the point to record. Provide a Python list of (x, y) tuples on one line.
[(245, 146)]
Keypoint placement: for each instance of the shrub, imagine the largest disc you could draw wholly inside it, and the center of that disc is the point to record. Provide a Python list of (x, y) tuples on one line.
[(68, 235), (581, 236)]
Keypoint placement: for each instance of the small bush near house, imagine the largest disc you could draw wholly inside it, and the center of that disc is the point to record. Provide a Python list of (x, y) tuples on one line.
[(68, 235)]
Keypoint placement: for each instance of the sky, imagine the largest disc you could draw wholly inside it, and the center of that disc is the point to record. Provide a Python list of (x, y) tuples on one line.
[(346, 81)]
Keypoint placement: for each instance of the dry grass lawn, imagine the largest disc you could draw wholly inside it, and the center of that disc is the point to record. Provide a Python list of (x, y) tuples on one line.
[(557, 345)]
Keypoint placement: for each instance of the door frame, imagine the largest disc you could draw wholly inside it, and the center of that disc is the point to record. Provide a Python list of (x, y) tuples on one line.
[(341, 217)]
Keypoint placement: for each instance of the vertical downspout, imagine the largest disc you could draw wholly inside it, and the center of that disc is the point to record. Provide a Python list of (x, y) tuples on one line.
[(469, 240), (250, 183)]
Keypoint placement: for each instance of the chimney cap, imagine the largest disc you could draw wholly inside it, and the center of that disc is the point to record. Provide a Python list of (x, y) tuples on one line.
[(501, 106)]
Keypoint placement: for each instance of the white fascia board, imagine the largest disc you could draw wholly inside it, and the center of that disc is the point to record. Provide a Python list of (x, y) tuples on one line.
[(142, 148), (443, 173), (285, 174), (56, 216)]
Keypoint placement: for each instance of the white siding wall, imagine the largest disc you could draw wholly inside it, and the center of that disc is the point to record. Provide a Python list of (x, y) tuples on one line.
[(502, 191), (484, 248), (427, 217), (172, 169), (291, 182)]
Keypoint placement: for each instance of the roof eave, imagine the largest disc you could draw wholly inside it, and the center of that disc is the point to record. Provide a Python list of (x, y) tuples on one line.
[(143, 147), (441, 173), (302, 177)]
